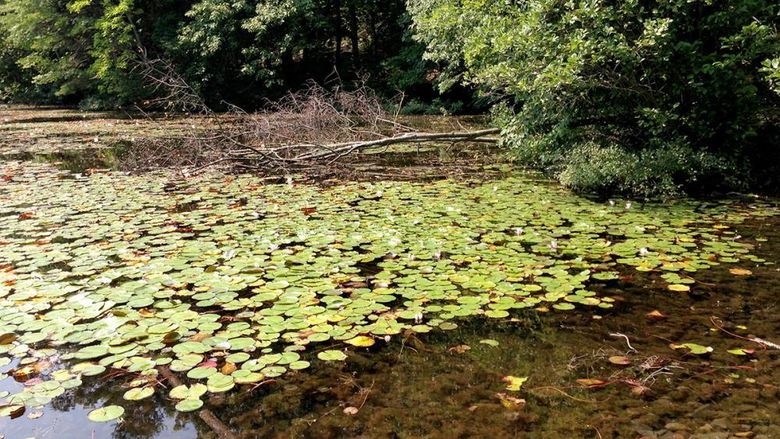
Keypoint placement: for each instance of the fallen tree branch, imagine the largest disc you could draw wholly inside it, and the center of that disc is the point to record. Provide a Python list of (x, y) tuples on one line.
[(305, 131), (222, 430), (308, 154)]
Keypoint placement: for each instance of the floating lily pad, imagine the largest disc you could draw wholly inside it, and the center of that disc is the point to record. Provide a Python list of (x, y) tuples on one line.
[(189, 405), (332, 355), (489, 342), (693, 348), (138, 393), (361, 341), (106, 414), (188, 392)]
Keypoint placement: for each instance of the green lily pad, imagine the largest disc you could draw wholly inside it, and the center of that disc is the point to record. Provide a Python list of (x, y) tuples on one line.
[(106, 414), (139, 393), (332, 355), (189, 405)]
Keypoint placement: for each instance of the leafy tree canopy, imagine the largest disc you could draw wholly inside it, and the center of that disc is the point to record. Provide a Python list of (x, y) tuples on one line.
[(646, 97)]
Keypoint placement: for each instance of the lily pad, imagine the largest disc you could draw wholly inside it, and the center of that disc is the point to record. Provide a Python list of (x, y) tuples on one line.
[(361, 341), (106, 414), (189, 405), (693, 348), (332, 355), (139, 393)]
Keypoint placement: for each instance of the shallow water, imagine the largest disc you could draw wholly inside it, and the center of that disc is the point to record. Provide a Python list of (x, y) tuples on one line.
[(448, 384), (422, 387)]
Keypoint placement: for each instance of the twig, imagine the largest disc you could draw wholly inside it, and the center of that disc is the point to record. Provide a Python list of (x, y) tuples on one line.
[(628, 342), (367, 392), (763, 343), (566, 394)]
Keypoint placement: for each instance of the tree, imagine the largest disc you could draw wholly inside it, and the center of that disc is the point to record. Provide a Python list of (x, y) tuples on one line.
[(644, 97), (52, 44)]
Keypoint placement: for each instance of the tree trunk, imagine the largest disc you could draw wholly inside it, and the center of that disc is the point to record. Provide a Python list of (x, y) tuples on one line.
[(373, 30), (353, 35), (338, 31)]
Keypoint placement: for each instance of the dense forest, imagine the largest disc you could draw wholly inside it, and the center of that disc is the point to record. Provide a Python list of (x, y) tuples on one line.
[(641, 97), (239, 52)]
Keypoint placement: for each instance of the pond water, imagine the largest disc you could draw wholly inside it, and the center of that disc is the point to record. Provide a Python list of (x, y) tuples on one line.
[(151, 306)]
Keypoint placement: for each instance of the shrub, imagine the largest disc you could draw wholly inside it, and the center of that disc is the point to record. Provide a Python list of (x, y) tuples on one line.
[(642, 97)]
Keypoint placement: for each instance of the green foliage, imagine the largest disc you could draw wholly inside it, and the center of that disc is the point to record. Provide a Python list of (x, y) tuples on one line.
[(242, 52), (643, 97), (72, 50), (51, 43)]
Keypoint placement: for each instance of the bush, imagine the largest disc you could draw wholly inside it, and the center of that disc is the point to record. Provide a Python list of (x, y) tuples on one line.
[(642, 97)]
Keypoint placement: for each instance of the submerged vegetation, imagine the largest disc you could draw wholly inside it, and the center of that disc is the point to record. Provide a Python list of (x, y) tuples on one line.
[(230, 282)]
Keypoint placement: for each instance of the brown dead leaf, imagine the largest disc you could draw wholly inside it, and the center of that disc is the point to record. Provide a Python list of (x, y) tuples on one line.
[(740, 272), (619, 360), (41, 366), (228, 368), (510, 402), (655, 315), (459, 349), (200, 336), (7, 338), (591, 383)]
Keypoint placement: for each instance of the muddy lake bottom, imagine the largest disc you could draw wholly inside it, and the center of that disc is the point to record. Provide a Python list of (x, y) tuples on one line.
[(607, 373)]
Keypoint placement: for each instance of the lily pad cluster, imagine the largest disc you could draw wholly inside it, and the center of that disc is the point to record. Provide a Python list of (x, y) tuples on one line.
[(227, 281)]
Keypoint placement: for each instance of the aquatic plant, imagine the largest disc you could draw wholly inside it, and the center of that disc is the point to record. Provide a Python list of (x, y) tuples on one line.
[(229, 281)]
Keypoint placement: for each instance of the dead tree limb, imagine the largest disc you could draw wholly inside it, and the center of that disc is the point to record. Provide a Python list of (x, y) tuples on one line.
[(306, 154), (306, 130), (222, 430)]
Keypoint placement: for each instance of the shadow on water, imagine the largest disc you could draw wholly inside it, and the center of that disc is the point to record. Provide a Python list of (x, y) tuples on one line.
[(66, 415), (75, 161)]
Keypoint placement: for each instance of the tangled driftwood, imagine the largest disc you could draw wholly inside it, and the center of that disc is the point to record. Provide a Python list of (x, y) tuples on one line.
[(311, 128)]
